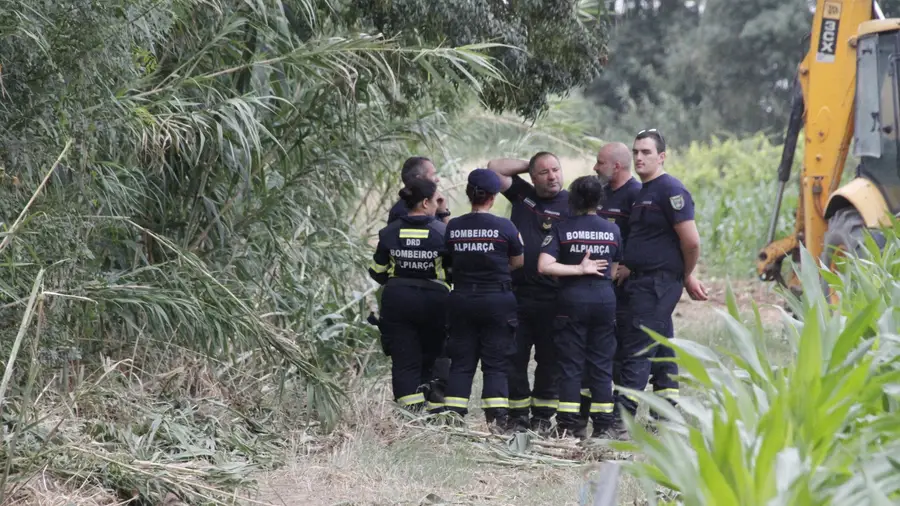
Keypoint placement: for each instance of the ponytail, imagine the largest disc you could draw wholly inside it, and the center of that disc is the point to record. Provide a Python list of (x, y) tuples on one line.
[(416, 191)]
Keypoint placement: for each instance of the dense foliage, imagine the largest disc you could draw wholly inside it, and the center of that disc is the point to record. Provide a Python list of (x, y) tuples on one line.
[(549, 47), (189, 277), (712, 67), (820, 429)]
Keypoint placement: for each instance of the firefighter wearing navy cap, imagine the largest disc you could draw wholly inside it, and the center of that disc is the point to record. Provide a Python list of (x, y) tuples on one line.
[(661, 252), (484, 249), (536, 208), (412, 262), (583, 252)]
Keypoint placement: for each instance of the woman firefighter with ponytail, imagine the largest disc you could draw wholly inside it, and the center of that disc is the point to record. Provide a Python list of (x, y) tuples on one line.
[(412, 262)]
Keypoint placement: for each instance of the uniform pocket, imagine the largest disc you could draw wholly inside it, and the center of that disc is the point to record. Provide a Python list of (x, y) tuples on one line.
[(512, 325), (560, 322)]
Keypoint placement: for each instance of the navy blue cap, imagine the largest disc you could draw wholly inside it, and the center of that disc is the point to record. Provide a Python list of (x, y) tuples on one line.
[(485, 179)]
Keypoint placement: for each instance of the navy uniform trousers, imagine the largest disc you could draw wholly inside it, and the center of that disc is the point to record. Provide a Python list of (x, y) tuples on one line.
[(535, 309), (652, 297), (413, 313), (482, 325), (621, 312), (585, 341)]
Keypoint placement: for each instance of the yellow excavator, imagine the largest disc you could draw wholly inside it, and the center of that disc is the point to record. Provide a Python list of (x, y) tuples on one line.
[(847, 91)]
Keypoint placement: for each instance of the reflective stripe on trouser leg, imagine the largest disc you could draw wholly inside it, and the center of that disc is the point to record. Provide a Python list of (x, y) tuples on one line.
[(585, 410), (516, 405), (570, 340), (518, 385), (651, 302), (498, 334), (545, 393), (410, 400), (662, 373), (462, 348), (601, 352), (458, 404), (482, 328), (401, 327)]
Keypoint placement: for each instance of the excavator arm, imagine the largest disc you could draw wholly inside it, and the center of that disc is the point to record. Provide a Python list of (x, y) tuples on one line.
[(823, 108)]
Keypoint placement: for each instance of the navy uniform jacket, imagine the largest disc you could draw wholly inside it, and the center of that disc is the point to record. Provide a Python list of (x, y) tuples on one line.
[(411, 247), (481, 245), (617, 205), (534, 217), (571, 239), (652, 242), (399, 209)]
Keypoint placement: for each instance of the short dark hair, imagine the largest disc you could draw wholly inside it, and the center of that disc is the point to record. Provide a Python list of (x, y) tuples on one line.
[(477, 196), (585, 194), (416, 191), (537, 156), (654, 134), (413, 168)]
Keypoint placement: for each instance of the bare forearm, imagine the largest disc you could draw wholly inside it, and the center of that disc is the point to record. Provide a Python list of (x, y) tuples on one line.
[(558, 269), (508, 166), (691, 253)]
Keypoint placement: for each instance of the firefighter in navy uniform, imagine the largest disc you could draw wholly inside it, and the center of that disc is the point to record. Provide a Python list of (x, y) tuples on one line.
[(583, 252), (412, 262), (416, 168), (661, 252), (613, 167), (419, 167), (536, 209), (482, 308)]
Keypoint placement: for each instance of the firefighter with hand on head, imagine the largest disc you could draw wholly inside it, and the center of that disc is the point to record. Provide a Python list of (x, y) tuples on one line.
[(536, 208), (412, 263), (620, 188), (482, 308), (661, 252), (583, 252)]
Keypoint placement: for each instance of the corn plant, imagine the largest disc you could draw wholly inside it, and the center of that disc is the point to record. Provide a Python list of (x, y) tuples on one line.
[(822, 429)]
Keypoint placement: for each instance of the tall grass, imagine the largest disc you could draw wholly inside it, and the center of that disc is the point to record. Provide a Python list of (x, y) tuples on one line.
[(185, 287), (821, 429)]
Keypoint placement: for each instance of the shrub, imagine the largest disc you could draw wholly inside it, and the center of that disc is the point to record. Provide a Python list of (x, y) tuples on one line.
[(820, 430)]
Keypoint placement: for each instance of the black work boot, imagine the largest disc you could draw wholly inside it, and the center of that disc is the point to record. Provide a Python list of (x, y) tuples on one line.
[(498, 423), (541, 426), (518, 423), (604, 432), (570, 425), (435, 393), (619, 432)]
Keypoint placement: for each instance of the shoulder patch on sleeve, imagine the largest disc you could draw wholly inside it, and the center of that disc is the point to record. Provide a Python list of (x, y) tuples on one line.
[(546, 240), (677, 202)]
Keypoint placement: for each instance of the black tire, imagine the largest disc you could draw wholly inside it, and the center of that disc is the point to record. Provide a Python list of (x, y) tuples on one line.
[(846, 231)]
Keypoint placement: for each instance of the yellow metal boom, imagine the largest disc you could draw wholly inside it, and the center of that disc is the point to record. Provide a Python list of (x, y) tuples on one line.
[(824, 107)]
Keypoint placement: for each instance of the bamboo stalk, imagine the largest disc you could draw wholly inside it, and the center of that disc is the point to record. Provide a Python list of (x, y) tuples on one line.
[(18, 222)]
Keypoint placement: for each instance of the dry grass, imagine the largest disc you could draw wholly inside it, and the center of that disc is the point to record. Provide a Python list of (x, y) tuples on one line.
[(386, 457), (46, 490), (383, 457)]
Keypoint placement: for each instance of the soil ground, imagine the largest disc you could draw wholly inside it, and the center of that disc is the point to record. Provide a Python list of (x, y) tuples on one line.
[(382, 458)]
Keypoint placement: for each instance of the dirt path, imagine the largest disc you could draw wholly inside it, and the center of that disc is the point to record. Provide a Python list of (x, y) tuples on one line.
[(381, 458)]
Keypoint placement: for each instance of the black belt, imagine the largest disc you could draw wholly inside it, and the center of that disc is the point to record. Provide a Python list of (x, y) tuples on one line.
[(592, 281), (657, 273), (428, 284), (504, 286)]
